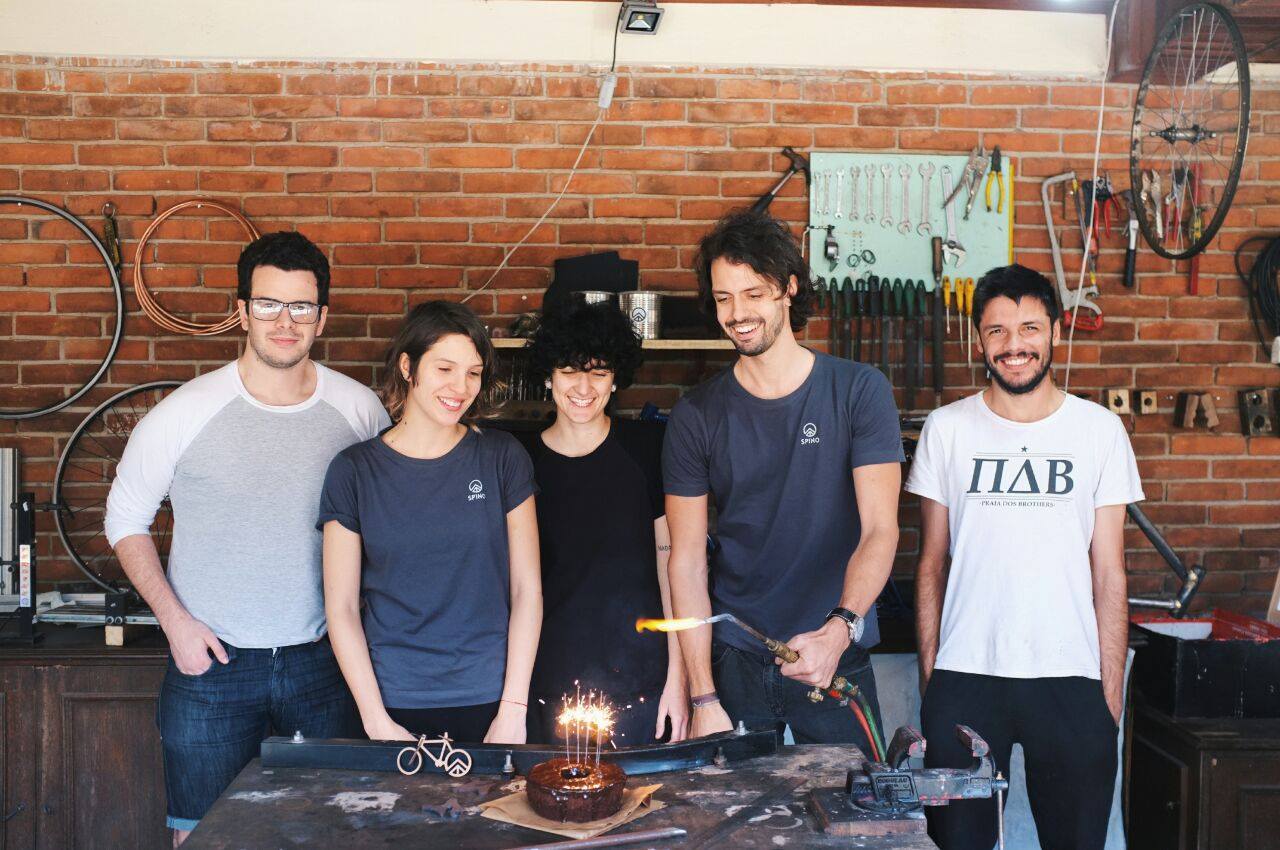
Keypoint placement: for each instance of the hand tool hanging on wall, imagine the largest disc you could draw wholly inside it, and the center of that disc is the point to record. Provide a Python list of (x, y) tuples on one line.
[(939, 299), (111, 235), (922, 308), (833, 325), (948, 289), (859, 312), (995, 176), (831, 248), (798, 164), (896, 310), (908, 313), (1077, 304), (884, 290), (846, 305), (873, 311), (1131, 229)]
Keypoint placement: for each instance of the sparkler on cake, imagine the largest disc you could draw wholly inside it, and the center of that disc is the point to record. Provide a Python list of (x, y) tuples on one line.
[(579, 787)]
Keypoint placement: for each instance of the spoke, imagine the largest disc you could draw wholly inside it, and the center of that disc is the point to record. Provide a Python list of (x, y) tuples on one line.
[(84, 508)]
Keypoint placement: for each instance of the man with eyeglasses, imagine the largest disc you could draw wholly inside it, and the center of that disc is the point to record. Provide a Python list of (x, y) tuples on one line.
[(241, 454)]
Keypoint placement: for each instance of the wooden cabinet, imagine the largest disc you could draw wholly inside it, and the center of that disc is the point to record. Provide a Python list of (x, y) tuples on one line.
[(1203, 784), (81, 756)]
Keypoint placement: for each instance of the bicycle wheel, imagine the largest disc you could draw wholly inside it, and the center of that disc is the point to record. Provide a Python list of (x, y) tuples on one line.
[(1190, 129), (414, 761), (84, 475), (57, 381)]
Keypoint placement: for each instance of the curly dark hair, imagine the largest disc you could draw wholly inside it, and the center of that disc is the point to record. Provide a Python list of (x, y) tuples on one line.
[(762, 242), (586, 336), (1015, 283)]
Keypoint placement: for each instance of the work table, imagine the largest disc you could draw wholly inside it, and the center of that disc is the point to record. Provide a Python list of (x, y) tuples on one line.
[(296, 807)]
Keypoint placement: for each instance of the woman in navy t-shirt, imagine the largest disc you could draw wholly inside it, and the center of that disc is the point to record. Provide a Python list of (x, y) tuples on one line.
[(431, 572), (603, 536)]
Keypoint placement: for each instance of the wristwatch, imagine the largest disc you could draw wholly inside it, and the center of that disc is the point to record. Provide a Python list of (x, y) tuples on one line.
[(855, 623)]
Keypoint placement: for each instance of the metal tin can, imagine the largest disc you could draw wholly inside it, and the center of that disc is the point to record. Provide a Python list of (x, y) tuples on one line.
[(644, 309)]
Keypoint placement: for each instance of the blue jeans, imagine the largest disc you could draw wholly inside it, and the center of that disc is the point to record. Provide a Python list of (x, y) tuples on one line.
[(213, 724), (752, 690)]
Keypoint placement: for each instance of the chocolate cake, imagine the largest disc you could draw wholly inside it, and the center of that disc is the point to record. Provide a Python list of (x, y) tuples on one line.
[(562, 790)]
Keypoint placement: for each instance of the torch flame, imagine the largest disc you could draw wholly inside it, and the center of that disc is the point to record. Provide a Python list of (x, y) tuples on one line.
[(668, 625)]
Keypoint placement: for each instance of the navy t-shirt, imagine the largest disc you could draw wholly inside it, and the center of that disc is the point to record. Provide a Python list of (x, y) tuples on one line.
[(435, 574), (780, 473)]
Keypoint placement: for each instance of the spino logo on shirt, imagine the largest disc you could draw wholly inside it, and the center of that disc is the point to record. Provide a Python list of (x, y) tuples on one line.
[(476, 490), (810, 432)]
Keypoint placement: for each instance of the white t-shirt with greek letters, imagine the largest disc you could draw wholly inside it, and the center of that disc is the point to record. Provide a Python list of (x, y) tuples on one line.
[(1020, 499)]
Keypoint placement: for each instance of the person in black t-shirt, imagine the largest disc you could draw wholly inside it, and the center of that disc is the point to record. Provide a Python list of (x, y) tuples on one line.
[(603, 536)]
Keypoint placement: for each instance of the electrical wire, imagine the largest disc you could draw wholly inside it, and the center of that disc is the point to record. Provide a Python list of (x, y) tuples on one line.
[(1263, 287), (157, 314), (1093, 191), (871, 721), (613, 64)]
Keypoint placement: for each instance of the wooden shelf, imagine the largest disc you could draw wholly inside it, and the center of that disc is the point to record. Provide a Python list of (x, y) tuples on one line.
[(652, 344)]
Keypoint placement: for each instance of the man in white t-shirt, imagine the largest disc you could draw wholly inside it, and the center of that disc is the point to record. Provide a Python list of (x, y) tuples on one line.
[(1022, 619)]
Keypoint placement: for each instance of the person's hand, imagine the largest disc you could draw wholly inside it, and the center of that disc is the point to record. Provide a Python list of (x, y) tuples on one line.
[(674, 706), (820, 653), (509, 726), (1115, 703), (385, 729), (709, 720), (190, 642)]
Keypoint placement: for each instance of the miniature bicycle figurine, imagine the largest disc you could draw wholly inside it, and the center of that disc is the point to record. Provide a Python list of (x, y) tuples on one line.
[(456, 763)]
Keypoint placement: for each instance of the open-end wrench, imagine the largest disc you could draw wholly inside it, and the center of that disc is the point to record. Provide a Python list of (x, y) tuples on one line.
[(854, 171), (926, 177), (951, 248), (840, 193), (886, 220), (904, 171), (871, 193)]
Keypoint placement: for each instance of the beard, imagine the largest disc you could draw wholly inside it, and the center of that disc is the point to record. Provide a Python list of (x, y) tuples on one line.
[(262, 348), (1030, 383), (769, 332)]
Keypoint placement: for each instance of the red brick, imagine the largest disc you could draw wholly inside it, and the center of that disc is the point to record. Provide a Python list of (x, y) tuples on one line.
[(71, 128), (35, 104), (29, 153), (239, 82), (380, 107), (469, 157), (127, 107), (248, 131), (120, 155), (206, 107), (79, 180), (374, 206), (1008, 95), (207, 155), (313, 155), (295, 107), (150, 83), (160, 129), (241, 182), (348, 84), (330, 181), (515, 133), (501, 86), (939, 93), (685, 137), (633, 208), (757, 89), (424, 84), (430, 132), (728, 112), (419, 181), (338, 131), (468, 108), (426, 231)]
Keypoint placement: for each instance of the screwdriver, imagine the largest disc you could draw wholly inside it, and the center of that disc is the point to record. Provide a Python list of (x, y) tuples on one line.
[(859, 310), (908, 344), (886, 325), (896, 310), (846, 305), (832, 325), (946, 297), (939, 331), (921, 309), (968, 306)]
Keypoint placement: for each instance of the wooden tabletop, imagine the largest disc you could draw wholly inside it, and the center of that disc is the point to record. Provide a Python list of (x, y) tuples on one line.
[(294, 807)]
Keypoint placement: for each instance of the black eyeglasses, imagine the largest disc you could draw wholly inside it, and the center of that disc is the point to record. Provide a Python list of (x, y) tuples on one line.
[(268, 310)]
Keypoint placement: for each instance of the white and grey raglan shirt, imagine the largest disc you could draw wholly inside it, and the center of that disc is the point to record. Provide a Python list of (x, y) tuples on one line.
[(244, 481)]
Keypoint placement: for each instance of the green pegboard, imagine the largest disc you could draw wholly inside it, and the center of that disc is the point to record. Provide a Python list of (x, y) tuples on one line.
[(987, 237)]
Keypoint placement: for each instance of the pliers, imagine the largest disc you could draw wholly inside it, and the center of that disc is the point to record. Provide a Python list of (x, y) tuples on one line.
[(995, 176)]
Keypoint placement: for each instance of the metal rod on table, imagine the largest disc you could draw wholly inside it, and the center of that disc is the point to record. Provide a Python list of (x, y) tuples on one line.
[(644, 835)]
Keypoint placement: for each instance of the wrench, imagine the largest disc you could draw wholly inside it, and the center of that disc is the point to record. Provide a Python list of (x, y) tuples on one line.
[(951, 248), (871, 194), (926, 177), (854, 171), (839, 193), (904, 171), (885, 219)]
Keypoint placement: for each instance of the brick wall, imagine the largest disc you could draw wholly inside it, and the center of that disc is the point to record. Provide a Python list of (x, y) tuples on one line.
[(414, 179)]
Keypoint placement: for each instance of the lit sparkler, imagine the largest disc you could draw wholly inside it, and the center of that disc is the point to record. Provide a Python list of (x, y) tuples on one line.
[(584, 719)]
